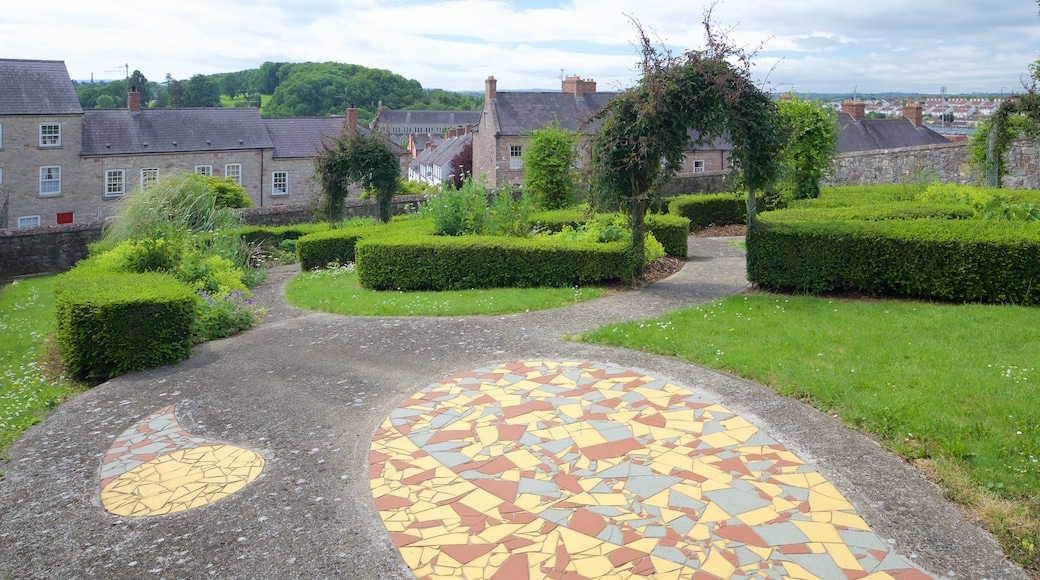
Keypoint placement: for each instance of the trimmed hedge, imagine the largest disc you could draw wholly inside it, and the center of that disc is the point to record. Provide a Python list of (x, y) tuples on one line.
[(273, 235), (114, 323), (672, 231), (961, 260), (320, 249), (555, 220), (719, 209), (411, 262)]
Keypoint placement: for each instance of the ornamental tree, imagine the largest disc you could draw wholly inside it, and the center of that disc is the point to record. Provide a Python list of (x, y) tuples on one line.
[(644, 131), (548, 166), (811, 135), (360, 160)]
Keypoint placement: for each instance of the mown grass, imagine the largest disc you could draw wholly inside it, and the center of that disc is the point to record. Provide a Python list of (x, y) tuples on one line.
[(337, 290), (954, 387), (28, 387)]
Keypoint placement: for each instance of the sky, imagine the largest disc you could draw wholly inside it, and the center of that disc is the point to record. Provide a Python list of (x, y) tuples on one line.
[(808, 46)]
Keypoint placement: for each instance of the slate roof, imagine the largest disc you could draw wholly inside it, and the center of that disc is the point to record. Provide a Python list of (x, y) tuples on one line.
[(522, 112), (299, 137), (871, 134), (36, 87), (444, 152), (438, 118), (121, 132)]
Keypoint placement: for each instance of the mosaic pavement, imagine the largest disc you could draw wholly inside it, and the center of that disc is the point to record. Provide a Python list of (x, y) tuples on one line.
[(581, 470), (156, 467)]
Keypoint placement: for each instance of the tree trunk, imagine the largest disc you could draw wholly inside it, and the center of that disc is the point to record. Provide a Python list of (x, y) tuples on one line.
[(638, 225)]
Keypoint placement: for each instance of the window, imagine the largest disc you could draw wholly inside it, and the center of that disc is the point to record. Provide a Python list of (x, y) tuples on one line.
[(204, 169), (234, 172), (1, 135), (29, 221), (50, 180), (50, 134), (516, 157), (149, 176), (698, 166), (1, 175), (115, 182), (65, 217), (280, 183)]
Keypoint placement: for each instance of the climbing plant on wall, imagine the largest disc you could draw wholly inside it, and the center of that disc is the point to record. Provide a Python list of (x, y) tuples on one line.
[(644, 132), (361, 160)]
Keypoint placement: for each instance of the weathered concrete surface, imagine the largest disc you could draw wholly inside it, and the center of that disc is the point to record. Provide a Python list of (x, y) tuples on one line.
[(308, 391)]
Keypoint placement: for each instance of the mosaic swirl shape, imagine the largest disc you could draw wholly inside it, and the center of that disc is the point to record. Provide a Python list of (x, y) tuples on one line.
[(156, 467), (583, 470)]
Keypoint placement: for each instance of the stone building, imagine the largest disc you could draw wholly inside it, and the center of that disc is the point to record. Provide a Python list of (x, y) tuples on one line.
[(60, 164), (508, 118)]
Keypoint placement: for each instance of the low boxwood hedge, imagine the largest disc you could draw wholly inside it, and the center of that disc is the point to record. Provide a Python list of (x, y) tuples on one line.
[(113, 323), (272, 236), (958, 259), (672, 231), (717, 209), (412, 262)]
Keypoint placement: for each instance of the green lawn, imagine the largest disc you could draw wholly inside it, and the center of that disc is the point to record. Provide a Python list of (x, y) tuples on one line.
[(951, 385), (336, 290), (27, 391)]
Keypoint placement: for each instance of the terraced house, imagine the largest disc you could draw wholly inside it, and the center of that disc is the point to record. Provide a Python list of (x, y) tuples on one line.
[(61, 164)]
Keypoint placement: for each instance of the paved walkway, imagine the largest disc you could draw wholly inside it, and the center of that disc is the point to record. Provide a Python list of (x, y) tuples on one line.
[(326, 446)]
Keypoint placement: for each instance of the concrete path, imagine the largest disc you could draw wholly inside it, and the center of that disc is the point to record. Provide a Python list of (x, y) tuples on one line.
[(259, 452)]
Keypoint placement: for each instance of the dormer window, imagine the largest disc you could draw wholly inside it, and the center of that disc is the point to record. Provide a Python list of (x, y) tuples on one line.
[(50, 134)]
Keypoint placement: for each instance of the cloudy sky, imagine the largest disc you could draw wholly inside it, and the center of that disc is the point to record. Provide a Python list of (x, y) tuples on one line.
[(809, 45)]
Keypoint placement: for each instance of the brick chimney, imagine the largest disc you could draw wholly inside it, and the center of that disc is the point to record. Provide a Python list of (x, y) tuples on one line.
[(351, 120), (490, 88), (577, 86), (913, 113), (133, 100), (858, 109)]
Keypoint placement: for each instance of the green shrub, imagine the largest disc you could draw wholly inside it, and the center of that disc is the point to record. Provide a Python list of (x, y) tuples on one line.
[(320, 249), (411, 262), (717, 209), (227, 193), (273, 236), (110, 323), (672, 231), (221, 315), (457, 212), (962, 260), (555, 220)]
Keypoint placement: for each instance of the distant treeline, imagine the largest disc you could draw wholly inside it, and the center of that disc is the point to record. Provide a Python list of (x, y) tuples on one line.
[(296, 90)]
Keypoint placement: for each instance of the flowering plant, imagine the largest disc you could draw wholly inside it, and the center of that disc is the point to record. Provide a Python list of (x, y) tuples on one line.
[(226, 315)]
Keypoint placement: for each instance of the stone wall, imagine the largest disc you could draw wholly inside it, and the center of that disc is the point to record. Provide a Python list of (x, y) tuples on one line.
[(56, 248), (46, 249), (947, 163), (1022, 166)]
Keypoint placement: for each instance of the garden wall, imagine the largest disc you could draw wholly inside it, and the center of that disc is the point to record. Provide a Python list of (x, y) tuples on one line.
[(50, 249)]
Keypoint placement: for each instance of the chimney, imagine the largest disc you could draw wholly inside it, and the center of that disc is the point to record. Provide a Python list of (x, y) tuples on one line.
[(490, 88), (133, 100), (858, 109), (913, 113), (469, 128), (577, 86), (352, 120)]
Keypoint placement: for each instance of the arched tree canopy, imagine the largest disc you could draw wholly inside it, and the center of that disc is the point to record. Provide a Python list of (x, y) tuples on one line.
[(644, 130), (1002, 131), (362, 160)]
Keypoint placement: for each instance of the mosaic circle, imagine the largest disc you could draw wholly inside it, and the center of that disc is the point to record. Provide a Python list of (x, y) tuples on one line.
[(156, 467), (584, 470)]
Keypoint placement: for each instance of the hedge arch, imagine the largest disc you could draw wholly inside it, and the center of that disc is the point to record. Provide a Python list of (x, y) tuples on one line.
[(644, 130), (1000, 137)]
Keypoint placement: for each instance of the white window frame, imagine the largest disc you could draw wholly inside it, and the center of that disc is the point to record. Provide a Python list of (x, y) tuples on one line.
[(115, 182), (204, 169), (149, 176), (516, 157), (234, 172), (50, 139), (1, 135), (280, 183), (51, 175), (698, 166), (22, 224)]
